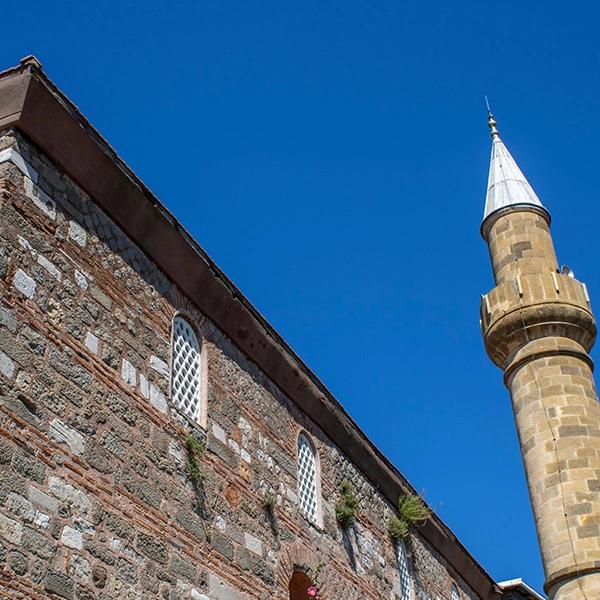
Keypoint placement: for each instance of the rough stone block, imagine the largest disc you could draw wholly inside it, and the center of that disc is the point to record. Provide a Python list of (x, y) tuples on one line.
[(8, 320), (79, 567), (81, 280), (72, 538), (7, 366), (144, 387), (64, 434), (17, 562), (219, 590), (60, 584), (50, 267), (37, 543), (40, 198), (219, 433), (152, 547), (160, 366), (77, 233), (10, 530), (101, 297), (157, 398), (91, 342), (128, 373), (77, 500), (253, 543), (25, 284)]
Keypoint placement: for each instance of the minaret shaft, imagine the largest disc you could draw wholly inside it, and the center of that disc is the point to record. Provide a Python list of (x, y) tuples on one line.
[(538, 327)]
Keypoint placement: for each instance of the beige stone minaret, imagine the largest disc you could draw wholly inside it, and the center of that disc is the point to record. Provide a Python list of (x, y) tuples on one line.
[(538, 328)]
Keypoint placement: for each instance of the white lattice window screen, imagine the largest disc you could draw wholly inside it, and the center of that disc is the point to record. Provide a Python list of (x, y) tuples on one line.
[(454, 592), (404, 571), (185, 377), (307, 478)]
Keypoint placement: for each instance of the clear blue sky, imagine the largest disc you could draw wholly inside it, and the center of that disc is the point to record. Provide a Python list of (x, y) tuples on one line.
[(332, 158)]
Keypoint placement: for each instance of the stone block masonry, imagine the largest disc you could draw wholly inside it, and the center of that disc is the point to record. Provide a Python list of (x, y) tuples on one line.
[(95, 499)]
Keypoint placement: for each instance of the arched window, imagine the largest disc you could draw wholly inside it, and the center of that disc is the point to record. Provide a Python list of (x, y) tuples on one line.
[(404, 571), (454, 595), (307, 478), (185, 371)]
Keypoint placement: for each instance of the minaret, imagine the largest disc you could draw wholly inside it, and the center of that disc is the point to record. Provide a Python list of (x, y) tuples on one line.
[(538, 328)]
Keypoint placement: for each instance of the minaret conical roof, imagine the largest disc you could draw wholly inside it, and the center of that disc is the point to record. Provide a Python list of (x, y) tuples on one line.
[(507, 186)]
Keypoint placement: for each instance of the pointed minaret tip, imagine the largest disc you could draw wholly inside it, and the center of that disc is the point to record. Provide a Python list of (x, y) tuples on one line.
[(507, 187)]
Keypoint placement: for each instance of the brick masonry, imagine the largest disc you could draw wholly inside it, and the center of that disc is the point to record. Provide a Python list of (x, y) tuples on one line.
[(95, 501)]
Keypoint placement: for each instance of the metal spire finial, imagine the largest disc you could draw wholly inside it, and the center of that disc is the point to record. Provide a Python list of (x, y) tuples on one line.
[(491, 121)]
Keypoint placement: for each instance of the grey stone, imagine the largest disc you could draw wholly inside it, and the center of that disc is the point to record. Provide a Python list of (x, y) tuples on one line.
[(29, 467), (74, 498), (50, 267), (222, 545), (25, 284), (160, 366), (20, 506), (183, 568), (128, 373), (79, 567), (40, 199), (3, 265), (157, 398), (219, 433), (152, 547), (253, 543), (64, 364), (98, 457), (99, 576), (99, 551), (91, 342), (118, 525), (149, 494), (71, 538), (17, 562), (7, 366), (63, 433), (10, 530), (77, 233), (126, 571), (59, 583), (144, 387), (191, 522), (35, 342), (101, 297), (37, 543), (81, 280), (219, 590), (8, 320), (6, 452)]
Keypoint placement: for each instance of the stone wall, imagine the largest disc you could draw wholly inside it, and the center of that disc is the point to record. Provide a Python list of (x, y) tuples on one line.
[(95, 500)]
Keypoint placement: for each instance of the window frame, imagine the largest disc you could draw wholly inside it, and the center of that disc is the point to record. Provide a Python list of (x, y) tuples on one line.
[(454, 592), (401, 548), (201, 416), (318, 522)]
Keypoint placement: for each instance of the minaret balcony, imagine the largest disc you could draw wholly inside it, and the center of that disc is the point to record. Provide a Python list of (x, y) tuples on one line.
[(534, 306)]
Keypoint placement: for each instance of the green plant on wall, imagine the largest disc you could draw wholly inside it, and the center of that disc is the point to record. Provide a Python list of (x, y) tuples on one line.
[(270, 502), (195, 450), (412, 512), (346, 508)]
